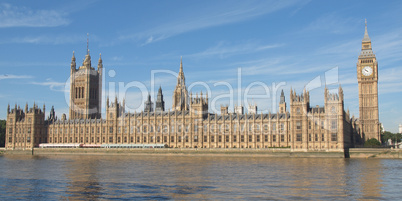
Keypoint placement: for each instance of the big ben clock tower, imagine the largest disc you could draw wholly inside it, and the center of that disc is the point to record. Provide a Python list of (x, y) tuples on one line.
[(367, 78)]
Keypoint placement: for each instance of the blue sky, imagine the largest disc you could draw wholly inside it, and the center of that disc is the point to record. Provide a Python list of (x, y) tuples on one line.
[(276, 44)]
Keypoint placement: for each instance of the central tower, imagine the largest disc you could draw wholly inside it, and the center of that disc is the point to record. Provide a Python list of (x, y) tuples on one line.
[(85, 89), (180, 94), (367, 78)]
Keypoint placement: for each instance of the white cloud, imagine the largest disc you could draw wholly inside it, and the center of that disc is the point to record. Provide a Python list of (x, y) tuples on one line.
[(117, 58), (53, 85), (13, 16), (5, 76), (47, 39), (222, 49), (209, 18), (333, 23)]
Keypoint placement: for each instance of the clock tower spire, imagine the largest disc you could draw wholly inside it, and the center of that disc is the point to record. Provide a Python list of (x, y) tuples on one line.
[(367, 78)]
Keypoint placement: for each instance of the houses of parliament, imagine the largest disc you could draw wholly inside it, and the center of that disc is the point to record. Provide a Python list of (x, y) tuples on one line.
[(189, 124)]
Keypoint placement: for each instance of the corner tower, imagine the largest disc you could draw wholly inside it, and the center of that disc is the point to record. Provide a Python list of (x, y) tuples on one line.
[(367, 78), (85, 89)]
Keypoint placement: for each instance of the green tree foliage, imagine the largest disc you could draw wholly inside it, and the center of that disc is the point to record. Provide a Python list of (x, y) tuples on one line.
[(2, 132), (372, 143), (393, 136)]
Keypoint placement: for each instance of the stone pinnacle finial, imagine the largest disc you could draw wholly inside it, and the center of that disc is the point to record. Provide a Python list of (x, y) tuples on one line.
[(87, 43), (366, 36), (181, 64)]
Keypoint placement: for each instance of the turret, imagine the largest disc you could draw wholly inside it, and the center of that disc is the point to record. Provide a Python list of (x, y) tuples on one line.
[(100, 63), (238, 109), (199, 106), (282, 103), (148, 105), (252, 109), (282, 100), (73, 64), (160, 103), (87, 61), (340, 93), (52, 116), (224, 110)]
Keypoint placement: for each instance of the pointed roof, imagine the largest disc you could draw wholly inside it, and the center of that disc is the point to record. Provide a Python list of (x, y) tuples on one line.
[(87, 60), (73, 61), (366, 37), (181, 64), (180, 78), (160, 90), (149, 97), (366, 51), (100, 63), (87, 43), (282, 100)]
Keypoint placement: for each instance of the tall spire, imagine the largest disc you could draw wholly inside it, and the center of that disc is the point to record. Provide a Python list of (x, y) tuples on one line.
[(87, 60), (88, 43), (181, 64), (180, 78), (366, 45), (366, 37)]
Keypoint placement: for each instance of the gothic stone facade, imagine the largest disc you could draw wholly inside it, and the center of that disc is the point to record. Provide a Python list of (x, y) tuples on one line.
[(190, 125), (302, 128)]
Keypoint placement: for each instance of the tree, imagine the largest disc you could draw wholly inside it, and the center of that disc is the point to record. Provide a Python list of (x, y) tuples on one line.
[(393, 136), (2, 133), (372, 143)]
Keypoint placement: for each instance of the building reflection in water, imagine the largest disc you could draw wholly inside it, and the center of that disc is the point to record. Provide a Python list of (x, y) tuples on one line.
[(83, 178), (195, 177), (370, 178)]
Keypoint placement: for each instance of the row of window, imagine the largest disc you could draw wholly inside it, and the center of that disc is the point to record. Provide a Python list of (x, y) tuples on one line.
[(19, 130), (80, 93), (366, 60), (158, 139), (145, 129), (19, 139)]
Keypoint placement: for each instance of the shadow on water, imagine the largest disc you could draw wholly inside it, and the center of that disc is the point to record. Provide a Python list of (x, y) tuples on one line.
[(346, 152)]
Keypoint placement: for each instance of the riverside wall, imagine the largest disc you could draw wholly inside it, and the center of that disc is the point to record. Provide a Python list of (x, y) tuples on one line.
[(281, 153)]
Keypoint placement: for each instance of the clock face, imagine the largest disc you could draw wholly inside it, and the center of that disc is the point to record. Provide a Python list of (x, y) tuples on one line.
[(367, 71)]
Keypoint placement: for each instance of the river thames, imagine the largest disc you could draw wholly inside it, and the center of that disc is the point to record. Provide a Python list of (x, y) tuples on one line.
[(157, 177)]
